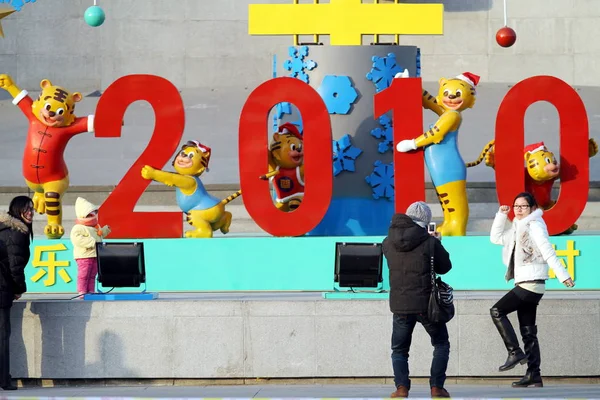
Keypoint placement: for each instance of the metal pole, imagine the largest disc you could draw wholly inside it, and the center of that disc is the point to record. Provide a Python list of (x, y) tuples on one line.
[(316, 36), (375, 36)]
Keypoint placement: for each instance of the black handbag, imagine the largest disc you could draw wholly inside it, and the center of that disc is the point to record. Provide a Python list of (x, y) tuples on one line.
[(441, 301)]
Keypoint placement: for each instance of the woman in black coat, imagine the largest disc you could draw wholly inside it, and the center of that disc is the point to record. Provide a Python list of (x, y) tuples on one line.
[(15, 237)]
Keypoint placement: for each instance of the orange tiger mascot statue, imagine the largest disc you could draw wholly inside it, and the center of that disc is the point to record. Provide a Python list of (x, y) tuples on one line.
[(52, 123), (286, 167), (541, 171)]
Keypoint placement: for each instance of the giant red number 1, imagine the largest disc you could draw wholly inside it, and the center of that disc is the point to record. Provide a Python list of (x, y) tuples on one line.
[(117, 210), (574, 136), (403, 98), (318, 157)]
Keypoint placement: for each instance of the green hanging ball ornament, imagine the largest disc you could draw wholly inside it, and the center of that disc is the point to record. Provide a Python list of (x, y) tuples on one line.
[(94, 16)]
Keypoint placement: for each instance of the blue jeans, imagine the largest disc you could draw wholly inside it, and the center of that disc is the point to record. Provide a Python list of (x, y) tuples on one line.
[(404, 324)]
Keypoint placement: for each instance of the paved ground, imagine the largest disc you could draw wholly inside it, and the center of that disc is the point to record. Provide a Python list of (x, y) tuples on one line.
[(312, 296), (570, 391)]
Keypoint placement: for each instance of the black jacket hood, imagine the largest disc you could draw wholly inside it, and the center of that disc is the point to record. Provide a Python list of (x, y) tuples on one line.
[(404, 234)]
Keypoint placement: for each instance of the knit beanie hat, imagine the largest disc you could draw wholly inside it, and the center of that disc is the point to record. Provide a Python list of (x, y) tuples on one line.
[(83, 207), (419, 212)]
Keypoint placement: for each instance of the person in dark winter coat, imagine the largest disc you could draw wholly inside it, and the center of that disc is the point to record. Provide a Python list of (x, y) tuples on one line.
[(15, 237), (408, 249)]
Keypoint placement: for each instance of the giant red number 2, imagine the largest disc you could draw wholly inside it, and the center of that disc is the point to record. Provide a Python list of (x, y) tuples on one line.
[(403, 98), (574, 136), (318, 157), (117, 210)]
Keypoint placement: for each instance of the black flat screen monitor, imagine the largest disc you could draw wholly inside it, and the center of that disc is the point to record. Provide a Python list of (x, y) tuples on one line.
[(121, 264), (358, 264)]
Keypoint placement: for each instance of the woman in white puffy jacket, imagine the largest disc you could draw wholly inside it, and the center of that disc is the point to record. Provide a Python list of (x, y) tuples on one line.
[(527, 255)]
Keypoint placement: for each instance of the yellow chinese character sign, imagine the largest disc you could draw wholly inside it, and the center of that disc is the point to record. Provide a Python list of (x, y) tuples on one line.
[(345, 21), (570, 253), (53, 265)]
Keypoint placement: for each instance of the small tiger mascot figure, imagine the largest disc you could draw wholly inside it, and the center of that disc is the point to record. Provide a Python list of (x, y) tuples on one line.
[(286, 167), (52, 123), (204, 212), (440, 144), (541, 171)]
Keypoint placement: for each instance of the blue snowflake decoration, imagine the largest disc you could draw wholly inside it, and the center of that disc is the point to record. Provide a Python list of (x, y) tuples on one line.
[(280, 109), (384, 132), (17, 4), (344, 154), (338, 93), (283, 108), (298, 63), (383, 71), (381, 181)]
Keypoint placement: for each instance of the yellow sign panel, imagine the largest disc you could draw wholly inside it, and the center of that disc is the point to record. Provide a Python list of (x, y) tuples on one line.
[(570, 253), (345, 21), (54, 266)]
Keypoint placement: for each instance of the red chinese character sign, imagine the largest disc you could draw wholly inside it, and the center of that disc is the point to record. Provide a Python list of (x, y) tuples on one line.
[(317, 158), (574, 135)]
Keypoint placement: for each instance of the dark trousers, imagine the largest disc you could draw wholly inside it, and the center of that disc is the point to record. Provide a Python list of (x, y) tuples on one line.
[(403, 327), (523, 302), (4, 347)]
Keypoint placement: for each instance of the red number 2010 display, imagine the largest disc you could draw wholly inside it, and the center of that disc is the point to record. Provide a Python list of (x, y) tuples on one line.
[(402, 98)]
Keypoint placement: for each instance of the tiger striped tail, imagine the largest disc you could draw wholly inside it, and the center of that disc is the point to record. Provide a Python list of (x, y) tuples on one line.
[(232, 197), (481, 157)]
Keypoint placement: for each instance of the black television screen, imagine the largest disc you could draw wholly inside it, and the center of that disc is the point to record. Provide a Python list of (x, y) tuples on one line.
[(358, 264), (121, 264)]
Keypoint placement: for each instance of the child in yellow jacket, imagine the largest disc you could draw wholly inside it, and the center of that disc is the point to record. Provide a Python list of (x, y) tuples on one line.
[(84, 236)]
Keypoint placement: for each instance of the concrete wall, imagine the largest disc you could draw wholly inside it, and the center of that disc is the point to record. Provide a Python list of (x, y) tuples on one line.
[(202, 43), (203, 47), (246, 337)]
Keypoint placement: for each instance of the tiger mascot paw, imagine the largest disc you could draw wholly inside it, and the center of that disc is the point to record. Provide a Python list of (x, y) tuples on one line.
[(39, 204), (592, 147), (54, 231)]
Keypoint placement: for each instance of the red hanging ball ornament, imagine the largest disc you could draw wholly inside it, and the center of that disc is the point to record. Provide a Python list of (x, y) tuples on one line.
[(506, 36)]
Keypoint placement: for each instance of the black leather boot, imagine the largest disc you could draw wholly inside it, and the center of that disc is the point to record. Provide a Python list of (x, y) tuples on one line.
[(505, 328), (533, 377)]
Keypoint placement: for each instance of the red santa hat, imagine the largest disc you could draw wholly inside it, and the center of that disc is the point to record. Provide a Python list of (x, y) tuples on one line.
[(535, 147), (470, 78), (288, 127), (203, 149)]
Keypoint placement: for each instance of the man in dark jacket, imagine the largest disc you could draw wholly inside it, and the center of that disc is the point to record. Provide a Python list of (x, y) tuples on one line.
[(408, 250)]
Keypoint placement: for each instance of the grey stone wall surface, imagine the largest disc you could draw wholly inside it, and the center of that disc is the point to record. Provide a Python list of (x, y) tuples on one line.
[(220, 337)]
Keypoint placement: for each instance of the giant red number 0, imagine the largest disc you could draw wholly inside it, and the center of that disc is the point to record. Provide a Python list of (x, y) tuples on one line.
[(574, 136), (403, 98), (318, 157), (117, 210)]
